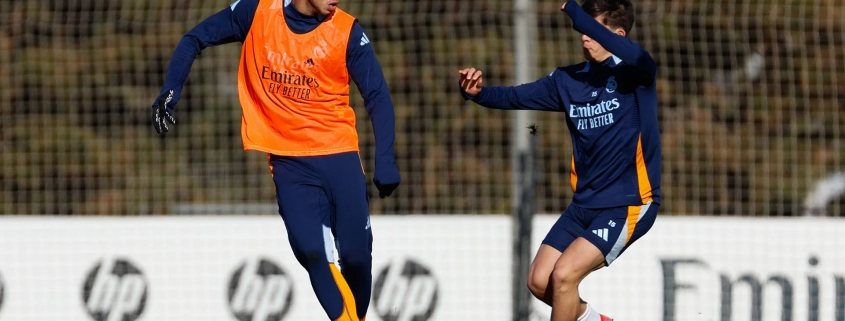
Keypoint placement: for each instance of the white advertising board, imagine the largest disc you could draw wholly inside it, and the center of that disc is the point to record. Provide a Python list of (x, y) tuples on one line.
[(241, 268), (425, 268)]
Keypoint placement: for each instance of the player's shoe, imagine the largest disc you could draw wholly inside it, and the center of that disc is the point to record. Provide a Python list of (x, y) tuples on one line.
[(605, 318)]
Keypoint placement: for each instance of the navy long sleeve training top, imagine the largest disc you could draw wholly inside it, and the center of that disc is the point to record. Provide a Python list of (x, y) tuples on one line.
[(232, 25), (611, 109)]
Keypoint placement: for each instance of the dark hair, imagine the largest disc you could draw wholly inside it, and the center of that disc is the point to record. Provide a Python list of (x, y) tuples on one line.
[(617, 13)]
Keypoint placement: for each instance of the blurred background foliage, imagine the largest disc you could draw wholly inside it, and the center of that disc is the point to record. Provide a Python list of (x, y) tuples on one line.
[(750, 106)]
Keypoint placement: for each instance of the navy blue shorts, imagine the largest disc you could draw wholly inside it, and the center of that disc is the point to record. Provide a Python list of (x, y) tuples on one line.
[(612, 230)]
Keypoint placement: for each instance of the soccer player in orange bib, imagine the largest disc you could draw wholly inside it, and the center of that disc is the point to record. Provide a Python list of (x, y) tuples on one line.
[(297, 60)]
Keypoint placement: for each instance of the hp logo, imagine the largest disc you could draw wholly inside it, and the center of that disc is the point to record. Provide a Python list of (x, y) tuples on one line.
[(405, 290), (260, 290), (115, 290)]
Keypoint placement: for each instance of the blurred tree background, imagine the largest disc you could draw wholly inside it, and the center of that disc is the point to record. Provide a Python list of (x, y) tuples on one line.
[(750, 106)]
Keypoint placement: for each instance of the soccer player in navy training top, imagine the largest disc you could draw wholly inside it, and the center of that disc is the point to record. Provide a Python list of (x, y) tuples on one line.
[(297, 61), (610, 103)]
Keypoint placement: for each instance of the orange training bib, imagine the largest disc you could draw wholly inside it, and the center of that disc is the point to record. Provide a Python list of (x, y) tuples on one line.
[(294, 88)]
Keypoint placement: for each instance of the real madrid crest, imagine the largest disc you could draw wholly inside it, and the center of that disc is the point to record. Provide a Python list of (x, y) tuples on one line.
[(611, 84)]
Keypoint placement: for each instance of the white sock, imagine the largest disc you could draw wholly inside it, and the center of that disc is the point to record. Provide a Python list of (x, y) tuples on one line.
[(590, 315)]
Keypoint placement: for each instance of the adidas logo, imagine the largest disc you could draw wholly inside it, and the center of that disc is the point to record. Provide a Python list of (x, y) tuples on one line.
[(602, 233), (364, 39), (309, 62)]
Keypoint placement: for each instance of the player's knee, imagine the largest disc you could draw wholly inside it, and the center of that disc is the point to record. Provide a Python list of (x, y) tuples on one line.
[(312, 256), (537, 285), (564, 278)]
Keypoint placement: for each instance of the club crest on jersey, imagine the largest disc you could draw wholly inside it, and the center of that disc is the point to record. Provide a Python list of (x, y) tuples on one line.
[(611, 84)]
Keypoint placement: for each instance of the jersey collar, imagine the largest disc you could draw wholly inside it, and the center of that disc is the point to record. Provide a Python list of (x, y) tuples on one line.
[(586, 68)]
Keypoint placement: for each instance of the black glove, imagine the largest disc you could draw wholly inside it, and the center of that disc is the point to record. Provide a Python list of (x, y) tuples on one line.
[(163, 113), (386, 179)]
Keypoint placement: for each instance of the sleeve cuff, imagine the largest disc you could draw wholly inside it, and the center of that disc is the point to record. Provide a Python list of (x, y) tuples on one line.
[(573, 10), (467, 96)]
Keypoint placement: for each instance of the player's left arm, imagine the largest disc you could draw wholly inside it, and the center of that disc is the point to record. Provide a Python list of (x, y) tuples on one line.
[(366, 72), (622, 47)]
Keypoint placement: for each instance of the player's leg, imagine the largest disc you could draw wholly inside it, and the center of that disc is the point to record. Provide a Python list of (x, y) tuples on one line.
[(305, 209), (353, 233), (540, 273), (575, 263), (565, 230), (611, 232)]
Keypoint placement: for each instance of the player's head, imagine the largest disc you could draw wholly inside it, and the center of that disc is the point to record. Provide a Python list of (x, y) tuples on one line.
[(616, 15), (314, 7)]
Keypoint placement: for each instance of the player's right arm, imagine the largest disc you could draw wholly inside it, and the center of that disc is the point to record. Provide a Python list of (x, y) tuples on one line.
[(624, 48), (539, 95), (229, 25)]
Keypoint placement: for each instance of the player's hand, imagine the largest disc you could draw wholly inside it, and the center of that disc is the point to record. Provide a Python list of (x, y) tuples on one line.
[(163, 112), (471, 80), (563, 7), (386, 178)]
